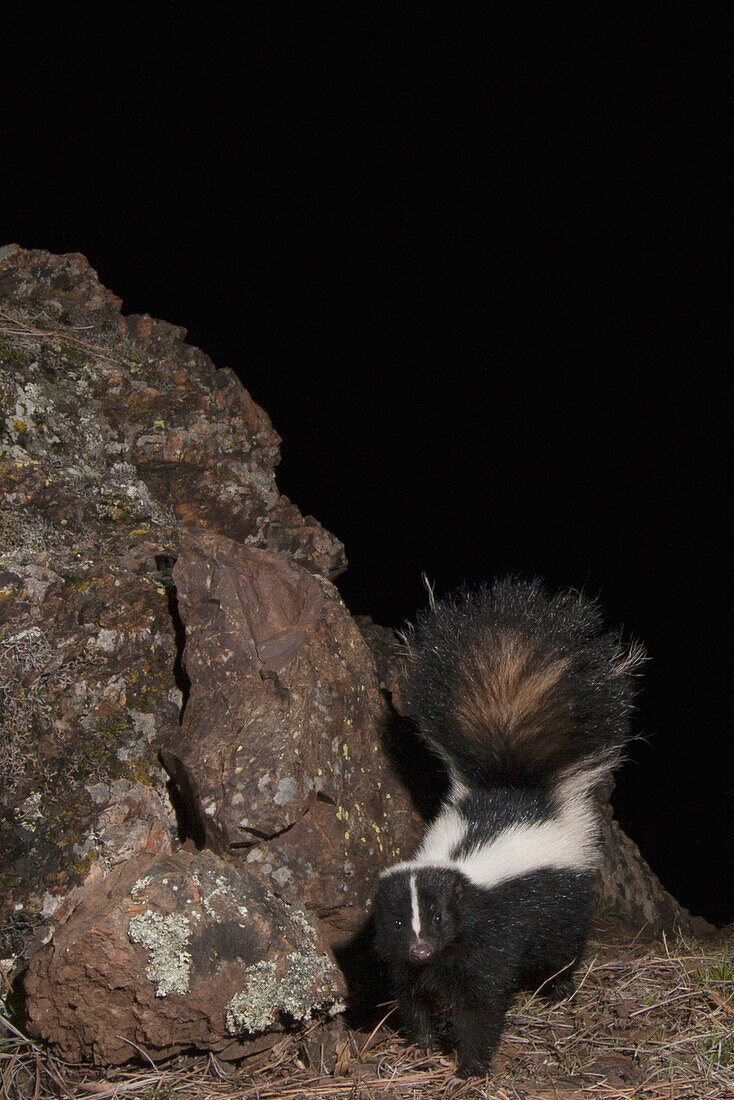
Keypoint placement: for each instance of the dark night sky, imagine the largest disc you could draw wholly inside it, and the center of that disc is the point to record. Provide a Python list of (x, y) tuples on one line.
[(480, 282)]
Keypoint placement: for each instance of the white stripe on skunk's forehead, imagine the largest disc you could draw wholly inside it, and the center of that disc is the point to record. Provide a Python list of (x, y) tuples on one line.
[(415, 914)]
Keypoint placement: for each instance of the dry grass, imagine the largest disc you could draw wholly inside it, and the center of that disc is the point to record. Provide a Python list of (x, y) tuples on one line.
[(648, 1021), (21, 330)]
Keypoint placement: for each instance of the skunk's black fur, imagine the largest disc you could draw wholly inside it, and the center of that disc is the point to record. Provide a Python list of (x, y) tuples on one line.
[(525, 700)]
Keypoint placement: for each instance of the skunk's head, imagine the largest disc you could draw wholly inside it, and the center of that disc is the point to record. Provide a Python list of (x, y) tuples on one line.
[(417, 914)]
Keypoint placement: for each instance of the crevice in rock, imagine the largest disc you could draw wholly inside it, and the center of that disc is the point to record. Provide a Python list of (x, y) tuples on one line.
[(164, 565), (189, 822), (259, 834), (418, 769)]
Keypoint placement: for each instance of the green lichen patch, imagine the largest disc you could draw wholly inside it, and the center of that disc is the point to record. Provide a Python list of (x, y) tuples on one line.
[(27, 658), (166, 938), (267, 999)]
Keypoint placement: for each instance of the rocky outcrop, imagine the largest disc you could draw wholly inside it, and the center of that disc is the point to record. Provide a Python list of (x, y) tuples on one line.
[(628, 887), (113, 432), (124, 407), (281, 747), (126, 452), (178, 952), (157, 592), (87, 650)]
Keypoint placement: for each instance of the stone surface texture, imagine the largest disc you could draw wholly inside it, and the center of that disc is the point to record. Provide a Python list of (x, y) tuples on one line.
[(175, 952), (113, 432), (280, 750)]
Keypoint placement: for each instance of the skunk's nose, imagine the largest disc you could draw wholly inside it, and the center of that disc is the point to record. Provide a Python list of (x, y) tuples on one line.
[(420, 951)]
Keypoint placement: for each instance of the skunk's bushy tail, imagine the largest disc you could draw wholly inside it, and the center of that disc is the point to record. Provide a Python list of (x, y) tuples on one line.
[(512, 687)]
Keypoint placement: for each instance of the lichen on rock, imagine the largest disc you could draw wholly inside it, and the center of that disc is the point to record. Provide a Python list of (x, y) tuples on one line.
[(278, 752), (184, 946), (166, 938), (269, 998)]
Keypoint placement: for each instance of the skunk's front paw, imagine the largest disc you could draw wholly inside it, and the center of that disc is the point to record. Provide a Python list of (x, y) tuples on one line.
[(560, 988), (418, 1025), (472, 1067)]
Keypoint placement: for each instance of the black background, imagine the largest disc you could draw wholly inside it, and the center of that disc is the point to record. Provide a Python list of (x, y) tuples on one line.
[(479, 277)]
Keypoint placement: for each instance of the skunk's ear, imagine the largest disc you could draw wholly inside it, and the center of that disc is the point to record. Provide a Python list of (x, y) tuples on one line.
[(458, 887)]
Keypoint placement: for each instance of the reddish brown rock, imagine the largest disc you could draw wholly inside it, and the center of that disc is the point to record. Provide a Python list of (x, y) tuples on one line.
[(130, 391), (87, 650), (41, 276), (177, 952), (112, 432), (281, 748), (628, 887)]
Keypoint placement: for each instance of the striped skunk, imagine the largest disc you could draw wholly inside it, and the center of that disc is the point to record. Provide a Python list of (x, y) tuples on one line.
[(526, 700)]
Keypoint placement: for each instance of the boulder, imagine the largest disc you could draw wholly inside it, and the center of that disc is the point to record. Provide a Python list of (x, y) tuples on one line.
[(281, 750), (178, 952), (113, 432)]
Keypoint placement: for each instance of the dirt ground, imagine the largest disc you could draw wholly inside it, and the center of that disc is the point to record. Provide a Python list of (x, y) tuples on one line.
[(650, 1020)]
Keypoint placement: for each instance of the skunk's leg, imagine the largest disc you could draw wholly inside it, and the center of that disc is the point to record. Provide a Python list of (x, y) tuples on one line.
[(417, 1022), (477, 1028), (558, 988)]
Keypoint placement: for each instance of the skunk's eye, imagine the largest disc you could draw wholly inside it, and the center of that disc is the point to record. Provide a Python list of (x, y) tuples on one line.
[(398, 922), (437, 918)]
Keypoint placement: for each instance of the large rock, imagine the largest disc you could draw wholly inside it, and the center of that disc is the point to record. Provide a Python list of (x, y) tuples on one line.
[(93, 393), (113, 431), (87, 650), (628, 887), (281, 749), (177, 952)]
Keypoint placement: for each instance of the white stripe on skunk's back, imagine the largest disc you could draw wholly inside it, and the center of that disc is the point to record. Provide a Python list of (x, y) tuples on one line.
[(444, 836), (567, 841)]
